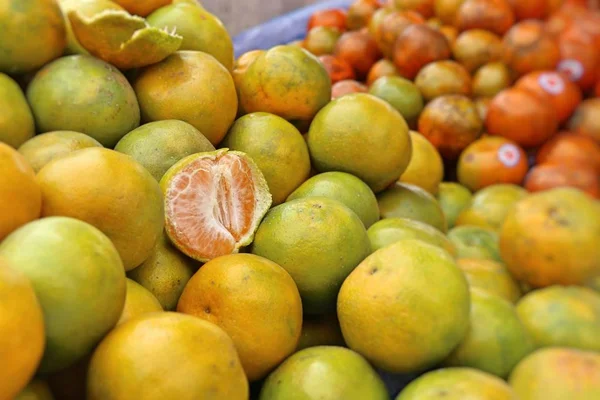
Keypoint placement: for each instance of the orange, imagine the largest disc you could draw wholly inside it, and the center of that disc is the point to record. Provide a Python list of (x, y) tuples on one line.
[(337, 68), (450, 123), (495, 16), (327, 373), (550, 176), (417, 46), (562, 317), (441, 78), (193, 87), (42, 149), (138, 301), (377, 19), (391, 230), (423, 7), (335, 18), (193, 186), (319, 241), (530, 9), (483, 104), (392, 26), (16, 124), (321, 40), (496, 341), (491, 79), (143, 8), (84, 298), (491, 277), (22, 326), (203, 355), (491, 205), (359, 50), (20, 195), (404, 200), (380, 69), (398, 281), (110, 191), (450, 32), (360, 13), (255, 301), (528, 47), (401, 94), (426, 167), (542, 233), (277, 148), (342, 131), (165, 273), (40, 28), (564, 95), (492, 160), (346, 87), (567, 148), (453, 198), (558, 373), (477, 47), (586, 119), (474, 242), (579, 59), (446, 10), (345, 188), (456, 384), (521, 116), (321, 330)]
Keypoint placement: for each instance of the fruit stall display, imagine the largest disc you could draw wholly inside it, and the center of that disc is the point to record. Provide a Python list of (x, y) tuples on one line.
[(403, 204)]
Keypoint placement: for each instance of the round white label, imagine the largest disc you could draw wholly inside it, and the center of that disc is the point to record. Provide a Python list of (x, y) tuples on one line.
[(552, 83), (573, 69), (509, 155)]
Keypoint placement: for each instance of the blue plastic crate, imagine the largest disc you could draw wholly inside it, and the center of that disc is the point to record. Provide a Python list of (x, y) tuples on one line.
[(281, 30)]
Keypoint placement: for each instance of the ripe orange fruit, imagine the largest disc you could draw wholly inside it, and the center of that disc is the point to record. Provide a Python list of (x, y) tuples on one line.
[(204, 357), (138, 301), (255, 301), (346, 87), (382, 68), (530, 9), (457, 383), (550, 176), (392, 26), (423, 7), (491, 79), (193, 186), (359, 50), (441, 78), (562, 317), (450, 32), (360, 14), (477, 47), (23, 333), (342, 131), (586, 119), (20, 195), (337, 68), (579, 58), (491, 277), (564, 95), (446, 10), (321, 40), (543, 231), (377, 20), (417, 46), (334, 18), (491, 15), (451, 123), (528, 47), (142, 8), (558, 373), (492, 160), (319, 241), (395, 281), (570, 148), (521, 116)]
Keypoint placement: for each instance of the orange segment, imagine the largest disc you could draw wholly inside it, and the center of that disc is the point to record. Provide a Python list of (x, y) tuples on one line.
[(213, 203)]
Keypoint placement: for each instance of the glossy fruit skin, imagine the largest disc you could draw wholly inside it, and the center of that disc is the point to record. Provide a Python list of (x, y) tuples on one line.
[(528, 48), (423, 7), (453, 199), (338, 69), (426, 167), (417, 46), (401, 94), (586, 119), (492, 15), (476, 47), (491, 277), (491, 79), (579, 58), (335, 18), (360, 13), (321, 40), (522, 117), (17, 124), (346, 87), (550, 176), (568, 147), (380, 69), (392, 26), (359, 50)]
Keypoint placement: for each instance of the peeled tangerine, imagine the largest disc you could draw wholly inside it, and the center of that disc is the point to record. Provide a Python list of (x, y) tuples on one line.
[(214, 202)]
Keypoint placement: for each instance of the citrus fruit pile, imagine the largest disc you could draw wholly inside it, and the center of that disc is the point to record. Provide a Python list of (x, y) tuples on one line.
[(402, 205)]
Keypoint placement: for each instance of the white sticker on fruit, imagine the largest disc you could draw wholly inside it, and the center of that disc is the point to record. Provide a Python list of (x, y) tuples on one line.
[(509, 155), (573, 69), (552, 83)]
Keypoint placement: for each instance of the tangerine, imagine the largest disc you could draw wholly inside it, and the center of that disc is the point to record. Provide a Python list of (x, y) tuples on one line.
[(586, 119), (383, 68), (423, 7), (359, 50), (446, 10), (530, 9), (321, 40), (579, 58), (550, 176), (476, 47), (337, 68), (360, 13), (346, 87), (426, 167), (401, 94), (392, 26), (441, 78), (417, 46), (491, 277), (453, 198), (495, 16), (334, 18), (570, 148), (491, 79)]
